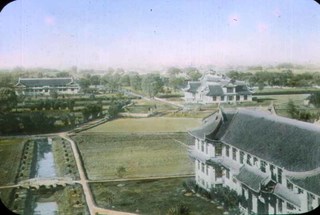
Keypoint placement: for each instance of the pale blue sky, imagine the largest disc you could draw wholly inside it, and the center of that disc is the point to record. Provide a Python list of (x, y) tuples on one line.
[(118, 33)]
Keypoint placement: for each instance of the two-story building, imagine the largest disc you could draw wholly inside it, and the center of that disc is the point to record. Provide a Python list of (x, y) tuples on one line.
[(272, 162), (43, 86), (216, 88)]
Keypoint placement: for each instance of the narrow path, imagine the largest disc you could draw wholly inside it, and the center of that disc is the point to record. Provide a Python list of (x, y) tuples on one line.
[(9, 186), (93, 209)]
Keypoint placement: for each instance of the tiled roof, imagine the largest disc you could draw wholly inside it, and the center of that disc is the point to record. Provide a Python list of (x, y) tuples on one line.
[(311, 183), (210, 125), (31, 82), (215, 90), (250, 178), (193, 87), (243, 90), (284, 193), (288, 143)]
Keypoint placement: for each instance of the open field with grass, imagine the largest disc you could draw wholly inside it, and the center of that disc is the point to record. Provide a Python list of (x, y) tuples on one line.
[(152, 124), (141, 155), (10, 154), (144, 106), (149, 197)]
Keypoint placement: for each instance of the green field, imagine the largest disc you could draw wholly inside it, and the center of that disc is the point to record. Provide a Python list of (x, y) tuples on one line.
[(10, 154), (149, 197), (143, 106), (142, 155), (152, 124)]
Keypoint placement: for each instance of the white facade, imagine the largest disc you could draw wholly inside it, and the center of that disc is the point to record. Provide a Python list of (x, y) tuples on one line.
[(45, 86), (220, 164), (212, 88)]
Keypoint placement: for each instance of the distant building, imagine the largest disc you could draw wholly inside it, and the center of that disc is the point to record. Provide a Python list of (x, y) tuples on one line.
[(272, 162), (43, 86), (216, 88)]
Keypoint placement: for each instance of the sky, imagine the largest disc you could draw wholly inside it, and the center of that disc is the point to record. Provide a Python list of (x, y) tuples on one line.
[(99, 34)]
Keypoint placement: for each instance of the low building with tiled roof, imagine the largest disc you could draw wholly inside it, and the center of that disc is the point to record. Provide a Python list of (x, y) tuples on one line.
[(215, 88), (43, 86), (272, 162)]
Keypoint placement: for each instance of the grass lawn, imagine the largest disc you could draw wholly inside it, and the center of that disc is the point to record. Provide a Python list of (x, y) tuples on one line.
[(149, 197), (144, 106), (282, 100), (141, 154), (152, 124), (10, 154)]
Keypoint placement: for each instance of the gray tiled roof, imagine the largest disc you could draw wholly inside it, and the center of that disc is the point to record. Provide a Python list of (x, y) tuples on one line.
[(210, 125), (288, 143), (252, 179), (243, 90), (193, 87), (31, 82), (283, 192), (311, 183), (215, 90)]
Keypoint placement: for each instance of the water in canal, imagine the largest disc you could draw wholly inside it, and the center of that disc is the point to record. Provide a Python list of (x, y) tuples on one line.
[(44, 168)]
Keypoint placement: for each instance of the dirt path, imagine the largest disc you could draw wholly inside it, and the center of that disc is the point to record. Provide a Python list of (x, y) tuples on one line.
[(93, 209)]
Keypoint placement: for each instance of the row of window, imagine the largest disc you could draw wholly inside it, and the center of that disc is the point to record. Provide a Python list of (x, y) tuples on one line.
[(254, 161), (230, 98)]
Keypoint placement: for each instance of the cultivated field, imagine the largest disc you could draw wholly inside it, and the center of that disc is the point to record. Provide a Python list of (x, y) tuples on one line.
[(141, 155), (152, 124), (10, 154), (149, 197), (143, 106)]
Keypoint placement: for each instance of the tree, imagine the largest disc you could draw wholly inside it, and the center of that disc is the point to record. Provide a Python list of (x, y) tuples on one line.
[(114, 109), (292, 109), (315, 99), (8, 99), (177, 82), (135, 81), (152, 84)]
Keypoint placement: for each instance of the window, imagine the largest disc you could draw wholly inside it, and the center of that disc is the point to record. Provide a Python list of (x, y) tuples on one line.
[(214, 98), (273, 175), (241, 157), (202, 167), (227, 150), (228, 174), (198, 164), (229, 90), (218, 172), (289, 185), (222, 98), (202, 146), (249, 159), (234, 154), (234, 180), (255, 161), (237, 97), (279, 175), (230, 98), (300, 191), (218, 149), (290, 207), (207, 170), (245, 97), (280, 205), (263, 166)]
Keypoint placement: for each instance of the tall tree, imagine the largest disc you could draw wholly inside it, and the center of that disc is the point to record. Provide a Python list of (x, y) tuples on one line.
[(8, 99), (152, 84)]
